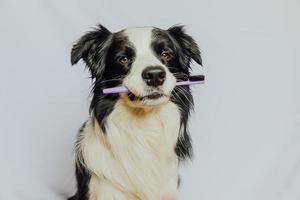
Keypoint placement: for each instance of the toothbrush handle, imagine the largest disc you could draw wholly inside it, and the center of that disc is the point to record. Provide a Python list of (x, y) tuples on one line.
[(123, 89), (120, 89)]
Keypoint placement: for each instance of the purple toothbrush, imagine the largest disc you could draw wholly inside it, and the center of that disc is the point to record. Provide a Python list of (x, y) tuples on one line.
[(193, 80)]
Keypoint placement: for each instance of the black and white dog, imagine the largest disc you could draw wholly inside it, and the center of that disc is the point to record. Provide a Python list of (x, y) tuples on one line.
[(131, 146)]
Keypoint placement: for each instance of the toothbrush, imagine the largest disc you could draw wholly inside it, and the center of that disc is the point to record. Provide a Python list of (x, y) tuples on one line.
[(193, 80)]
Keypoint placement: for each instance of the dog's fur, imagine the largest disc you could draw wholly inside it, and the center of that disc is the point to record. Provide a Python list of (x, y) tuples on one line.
[(130, 147)]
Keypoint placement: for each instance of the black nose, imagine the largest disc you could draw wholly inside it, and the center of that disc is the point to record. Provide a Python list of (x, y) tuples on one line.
[(154, 76)]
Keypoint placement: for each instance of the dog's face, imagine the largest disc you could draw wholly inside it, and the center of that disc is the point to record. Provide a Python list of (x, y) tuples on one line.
[(146, 60)]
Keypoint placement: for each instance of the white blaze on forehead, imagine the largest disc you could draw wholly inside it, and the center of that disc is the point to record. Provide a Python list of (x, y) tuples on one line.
[(140, 37)]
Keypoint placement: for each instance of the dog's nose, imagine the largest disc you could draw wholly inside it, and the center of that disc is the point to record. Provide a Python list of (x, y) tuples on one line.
[(154, 76)]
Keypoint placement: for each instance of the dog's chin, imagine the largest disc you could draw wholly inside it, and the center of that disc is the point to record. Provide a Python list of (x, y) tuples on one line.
[(154, 99)]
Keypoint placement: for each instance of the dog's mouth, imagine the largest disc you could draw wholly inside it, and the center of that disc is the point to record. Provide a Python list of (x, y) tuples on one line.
[(152, 96)]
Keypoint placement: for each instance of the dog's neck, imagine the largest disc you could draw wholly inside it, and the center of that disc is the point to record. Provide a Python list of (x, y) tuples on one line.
[(142, 143)]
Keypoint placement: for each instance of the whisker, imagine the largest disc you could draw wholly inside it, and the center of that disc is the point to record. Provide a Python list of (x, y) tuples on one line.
[(183, 93), (178, 97)]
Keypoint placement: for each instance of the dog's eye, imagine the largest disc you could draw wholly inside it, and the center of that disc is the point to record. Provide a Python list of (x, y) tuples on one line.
[(123, 60), (165, 56)]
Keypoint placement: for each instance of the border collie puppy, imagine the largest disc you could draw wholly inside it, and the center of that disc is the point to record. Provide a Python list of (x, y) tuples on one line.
[(132, 143)]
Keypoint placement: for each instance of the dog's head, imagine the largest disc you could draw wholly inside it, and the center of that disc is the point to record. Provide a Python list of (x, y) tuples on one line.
[(146, 60)]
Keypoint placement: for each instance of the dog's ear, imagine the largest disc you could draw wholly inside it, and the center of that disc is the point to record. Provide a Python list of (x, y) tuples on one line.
[(187, 43), (90, 48)]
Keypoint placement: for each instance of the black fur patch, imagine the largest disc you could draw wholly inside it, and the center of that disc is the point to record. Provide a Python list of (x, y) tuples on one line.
[(82, 175), (182, 49), (98, 49), (183, 98), (82, 179), (102, 105)]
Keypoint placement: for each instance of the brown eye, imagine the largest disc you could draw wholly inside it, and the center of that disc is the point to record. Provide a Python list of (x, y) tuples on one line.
[(165, 56), (123, 60)]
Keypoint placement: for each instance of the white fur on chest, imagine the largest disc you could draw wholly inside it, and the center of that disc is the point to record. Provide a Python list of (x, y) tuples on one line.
[(136, 157)]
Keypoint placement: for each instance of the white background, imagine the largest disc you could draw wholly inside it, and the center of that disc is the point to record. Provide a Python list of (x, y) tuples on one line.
[(245, 126)]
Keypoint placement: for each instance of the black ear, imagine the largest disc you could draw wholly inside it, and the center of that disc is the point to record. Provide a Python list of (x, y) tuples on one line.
[(90, 48), (187, 43)]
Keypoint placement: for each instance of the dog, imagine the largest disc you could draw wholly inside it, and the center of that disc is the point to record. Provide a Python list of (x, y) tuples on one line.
[(131, 145)]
